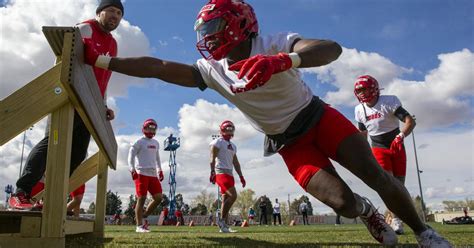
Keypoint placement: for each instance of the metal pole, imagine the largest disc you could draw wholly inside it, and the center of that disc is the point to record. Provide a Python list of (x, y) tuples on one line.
[(22, 150), (418, 172)]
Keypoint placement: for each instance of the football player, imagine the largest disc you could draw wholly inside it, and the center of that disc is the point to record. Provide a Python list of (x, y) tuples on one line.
[(147, 174), (260, 76), (223, 161), (378, 116)]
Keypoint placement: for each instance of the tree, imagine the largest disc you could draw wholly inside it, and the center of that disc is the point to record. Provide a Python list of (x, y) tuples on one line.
[(245, 200), (130, 211), (458, 205), (204, 198), (200, 209), (91, 209), (113, 203), (295, 205), (164, 203), (285, 215), (179, 201)]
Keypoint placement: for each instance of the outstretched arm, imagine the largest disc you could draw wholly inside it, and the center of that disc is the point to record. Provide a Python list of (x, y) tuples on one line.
[(316, 52), (149, 67)]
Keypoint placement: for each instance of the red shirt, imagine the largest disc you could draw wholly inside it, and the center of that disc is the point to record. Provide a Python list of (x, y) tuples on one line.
[(105, 44)]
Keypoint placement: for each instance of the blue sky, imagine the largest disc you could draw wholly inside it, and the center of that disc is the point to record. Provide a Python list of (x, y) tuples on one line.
[(410, 33), (421, 51)]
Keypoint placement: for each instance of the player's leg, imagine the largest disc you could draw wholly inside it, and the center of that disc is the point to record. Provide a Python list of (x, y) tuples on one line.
[(154, 187), (354, 154), (399, 161), (307, 160), (228, 199), (74, 205), (141, 186), (32, 172)]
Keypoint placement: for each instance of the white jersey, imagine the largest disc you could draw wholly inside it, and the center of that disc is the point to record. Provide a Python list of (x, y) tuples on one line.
[(381, 118), (147, 152), (271, 107), (225, 156), (276, 208)]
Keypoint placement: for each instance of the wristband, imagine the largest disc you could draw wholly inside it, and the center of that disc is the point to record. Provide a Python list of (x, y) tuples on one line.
[(103, 62), (402, 135), (295, 60)]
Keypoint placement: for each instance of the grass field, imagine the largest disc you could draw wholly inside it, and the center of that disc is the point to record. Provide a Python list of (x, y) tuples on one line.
[(350, 235)]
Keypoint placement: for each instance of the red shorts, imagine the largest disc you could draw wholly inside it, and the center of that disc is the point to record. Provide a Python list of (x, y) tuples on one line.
[(225, 182), (312, 151), (395, 163), (144, 184), (79, 191)]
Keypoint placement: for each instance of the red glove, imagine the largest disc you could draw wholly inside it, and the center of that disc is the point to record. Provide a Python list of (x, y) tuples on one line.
[(242, 180), (212, 178), (260, 68), (160, 176), (397, 143), (134, 175), (90, 53)]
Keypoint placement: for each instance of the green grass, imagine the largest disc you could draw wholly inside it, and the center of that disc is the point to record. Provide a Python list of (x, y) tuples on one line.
[(350, 235)]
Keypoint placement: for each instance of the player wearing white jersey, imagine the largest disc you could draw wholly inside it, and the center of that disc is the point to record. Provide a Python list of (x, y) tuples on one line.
[(223, 161), (378, 116), (147, 174), (259, 76)]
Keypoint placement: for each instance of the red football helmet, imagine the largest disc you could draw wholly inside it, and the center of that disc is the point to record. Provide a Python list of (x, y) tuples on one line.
[(227, 129), (366, 88), (223, 24), (149, 128)]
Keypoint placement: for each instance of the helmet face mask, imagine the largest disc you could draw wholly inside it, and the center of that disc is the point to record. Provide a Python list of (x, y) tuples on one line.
[(366, 89), (149, 128), (227, 129), (221, 25)]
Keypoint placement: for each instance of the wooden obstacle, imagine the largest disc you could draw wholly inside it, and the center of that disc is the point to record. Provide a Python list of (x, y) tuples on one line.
[(69, 85)]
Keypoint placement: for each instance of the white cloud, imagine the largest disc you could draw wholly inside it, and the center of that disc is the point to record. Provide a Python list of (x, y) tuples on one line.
[(351, 64), (26, 54), (178, 38), (443, 99)]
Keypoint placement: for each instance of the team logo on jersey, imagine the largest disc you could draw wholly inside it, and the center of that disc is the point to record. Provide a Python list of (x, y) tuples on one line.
[(230, 147), (151, 147), (374, 116)]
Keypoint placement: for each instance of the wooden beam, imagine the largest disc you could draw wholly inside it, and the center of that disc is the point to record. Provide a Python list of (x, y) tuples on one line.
[(57, 172), (83, 173), (85, 95), (78, 226), (30, 227), (101, 196), (32, 102)]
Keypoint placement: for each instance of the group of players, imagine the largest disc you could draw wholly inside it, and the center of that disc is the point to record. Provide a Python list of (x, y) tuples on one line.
[(260, 76)]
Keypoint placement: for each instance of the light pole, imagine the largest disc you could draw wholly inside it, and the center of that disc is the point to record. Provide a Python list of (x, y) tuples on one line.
[(418, 172), (23, 149)]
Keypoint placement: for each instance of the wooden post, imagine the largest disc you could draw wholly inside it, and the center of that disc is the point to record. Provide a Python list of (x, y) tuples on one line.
[(100, 201), (57, 172)]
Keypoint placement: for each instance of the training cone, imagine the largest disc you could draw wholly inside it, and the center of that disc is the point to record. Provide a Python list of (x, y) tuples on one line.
[(191, 223), (178, 223), (292, 223), (245, 224)]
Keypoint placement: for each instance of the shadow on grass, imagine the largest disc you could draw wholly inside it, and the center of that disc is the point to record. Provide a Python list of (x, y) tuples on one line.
[(86, 241), (247, 242)]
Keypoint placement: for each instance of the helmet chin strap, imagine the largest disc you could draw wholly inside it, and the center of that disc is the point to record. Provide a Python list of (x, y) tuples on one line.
[(227, 136), (149, 135)]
